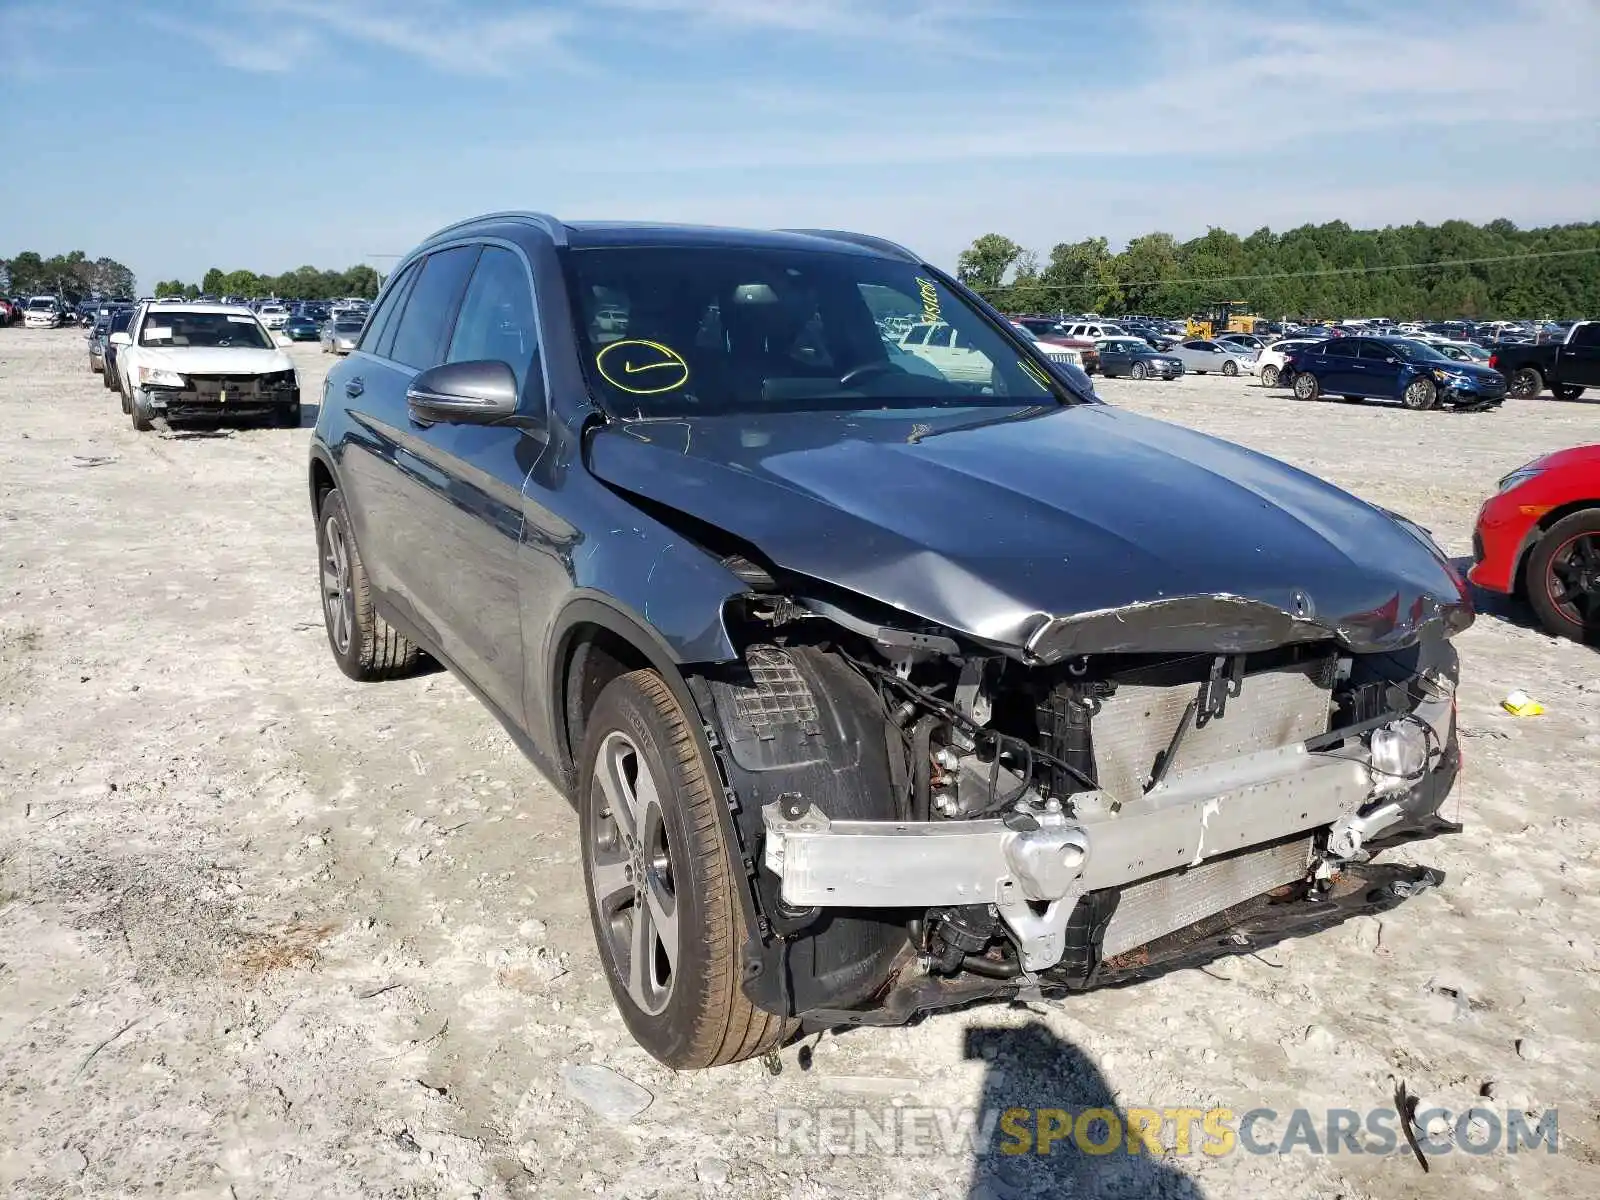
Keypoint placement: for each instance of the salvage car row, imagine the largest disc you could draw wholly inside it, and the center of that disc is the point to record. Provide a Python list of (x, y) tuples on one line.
[(175, 359), (887, 667)]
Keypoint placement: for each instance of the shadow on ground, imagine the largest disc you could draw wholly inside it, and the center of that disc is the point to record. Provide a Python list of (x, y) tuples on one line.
[(1055, 1083)]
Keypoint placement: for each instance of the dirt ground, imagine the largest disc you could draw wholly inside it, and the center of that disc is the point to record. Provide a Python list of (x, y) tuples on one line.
[(268, 933)]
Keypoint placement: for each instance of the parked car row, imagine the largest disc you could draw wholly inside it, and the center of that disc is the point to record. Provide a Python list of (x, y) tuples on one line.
[(182, 360)]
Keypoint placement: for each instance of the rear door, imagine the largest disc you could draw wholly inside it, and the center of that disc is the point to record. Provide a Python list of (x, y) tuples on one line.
[(1578, 361), (1337, 371)]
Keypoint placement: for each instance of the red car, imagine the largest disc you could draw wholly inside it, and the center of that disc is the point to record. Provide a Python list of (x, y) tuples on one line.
[(1538, 537)]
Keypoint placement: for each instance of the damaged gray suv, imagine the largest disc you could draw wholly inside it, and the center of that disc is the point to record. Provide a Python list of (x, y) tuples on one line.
[(884, 677)]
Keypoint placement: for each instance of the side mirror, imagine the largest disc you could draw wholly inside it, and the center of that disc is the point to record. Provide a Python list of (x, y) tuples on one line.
[(121, 339), (464, 393)]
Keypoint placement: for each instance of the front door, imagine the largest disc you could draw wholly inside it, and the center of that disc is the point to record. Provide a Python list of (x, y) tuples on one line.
[(458, 554), (1381, 368)]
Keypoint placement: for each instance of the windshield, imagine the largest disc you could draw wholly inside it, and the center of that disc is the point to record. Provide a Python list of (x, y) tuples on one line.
[(41, 305), (754, 330), (210, 329), (1415, 351)]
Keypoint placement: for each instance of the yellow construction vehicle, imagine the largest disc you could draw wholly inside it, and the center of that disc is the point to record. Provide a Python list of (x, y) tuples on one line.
[(1223, 318)]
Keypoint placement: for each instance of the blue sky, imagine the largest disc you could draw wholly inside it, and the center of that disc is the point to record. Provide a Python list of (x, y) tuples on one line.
[(179, 134)]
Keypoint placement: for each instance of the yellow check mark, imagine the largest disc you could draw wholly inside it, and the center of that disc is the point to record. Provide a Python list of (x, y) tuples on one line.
[(630, 369)]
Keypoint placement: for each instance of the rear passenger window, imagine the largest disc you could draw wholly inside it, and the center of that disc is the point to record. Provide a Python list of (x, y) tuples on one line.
[(1377, 350), (419, 340), (497, 320), (1340, 348), (1587, 335), (372, 336)]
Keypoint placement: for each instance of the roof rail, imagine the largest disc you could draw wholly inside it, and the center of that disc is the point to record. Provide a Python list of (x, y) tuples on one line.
[(556, 230), (865, 240)]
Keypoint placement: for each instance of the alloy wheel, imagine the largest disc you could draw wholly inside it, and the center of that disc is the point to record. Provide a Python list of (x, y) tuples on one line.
[(1574, 579), (1526, 383), (630, 869), (338, 596), (1419, 394)]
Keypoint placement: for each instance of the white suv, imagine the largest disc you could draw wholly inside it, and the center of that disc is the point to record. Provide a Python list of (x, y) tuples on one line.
[(273, 316), (181, 360)]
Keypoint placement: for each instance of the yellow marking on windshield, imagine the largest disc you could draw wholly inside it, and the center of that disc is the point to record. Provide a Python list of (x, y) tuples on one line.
[(640, 356), (1034, 373), (930, 300)]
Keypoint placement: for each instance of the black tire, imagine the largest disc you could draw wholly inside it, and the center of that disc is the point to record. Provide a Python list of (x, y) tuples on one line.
[(1420, 394), (1140, 370), (1551, 571), (1230, 368), (107, 379), (366, 647), (704, 1018), (1306, 386), (139, 410), (1565, 391), (288, 418), (1269, 376), (1526, 383)]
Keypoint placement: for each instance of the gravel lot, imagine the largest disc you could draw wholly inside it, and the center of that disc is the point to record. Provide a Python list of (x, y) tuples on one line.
[(268, 933)]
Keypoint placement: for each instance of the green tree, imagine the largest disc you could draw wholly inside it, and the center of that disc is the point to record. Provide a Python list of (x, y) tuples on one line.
[(212, 283), (983, 266)]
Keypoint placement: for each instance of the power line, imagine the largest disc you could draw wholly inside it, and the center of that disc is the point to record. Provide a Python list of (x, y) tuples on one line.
[(1443, 262)]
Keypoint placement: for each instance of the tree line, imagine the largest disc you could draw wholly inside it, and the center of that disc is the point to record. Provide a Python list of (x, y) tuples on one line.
[(303, 283), (72, 277), (1455, 269)]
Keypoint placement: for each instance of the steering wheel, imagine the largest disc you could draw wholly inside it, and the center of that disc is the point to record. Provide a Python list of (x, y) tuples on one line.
[(856, 374)]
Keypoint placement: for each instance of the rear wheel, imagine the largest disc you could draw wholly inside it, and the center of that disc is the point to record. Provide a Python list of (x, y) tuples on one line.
[(1269, 376), (1139, 370), (666, 916), (365, 646), (1420, 395), (1306, 386), (1564, 577), (1230, 368), (1526, 383), (1566, 391)]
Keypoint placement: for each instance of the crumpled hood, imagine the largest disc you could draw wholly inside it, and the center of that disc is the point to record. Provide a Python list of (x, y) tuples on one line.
[(1476, 371), (1061, 531), (209, 360)]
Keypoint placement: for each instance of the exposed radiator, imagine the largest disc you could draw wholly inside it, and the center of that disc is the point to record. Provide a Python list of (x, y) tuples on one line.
[(1274, 708), (1163, 903)]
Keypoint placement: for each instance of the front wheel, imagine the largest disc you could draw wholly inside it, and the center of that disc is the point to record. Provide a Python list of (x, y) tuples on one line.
[(1566, 391), (666, 917), (1140, 370), (1420, 395), (1564, 577), (1269, 376), (1526, 383), (138, 408), (1230, 369), (1306, 386)]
